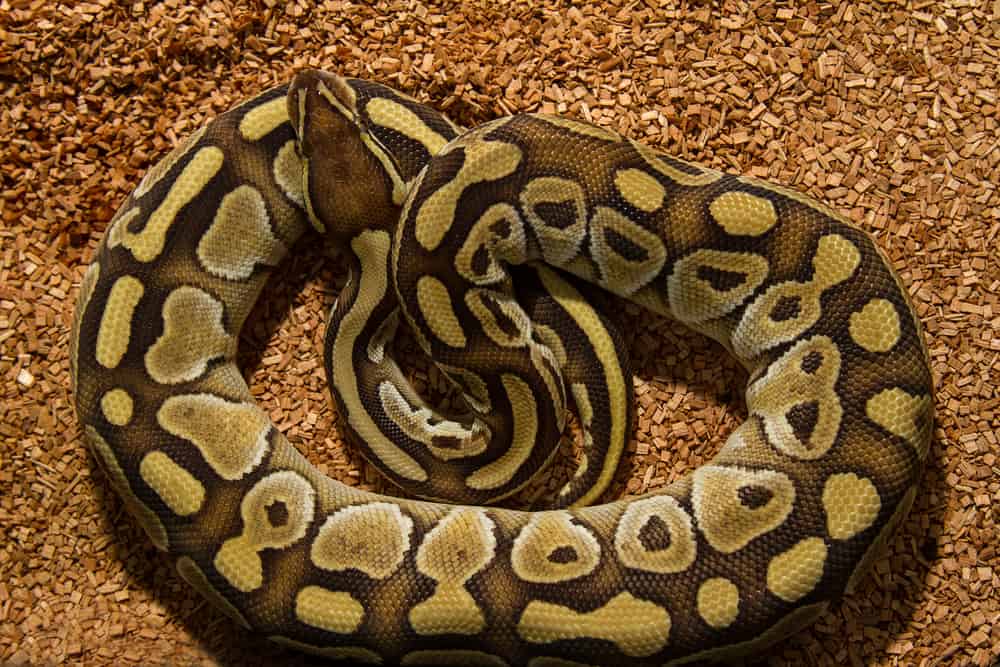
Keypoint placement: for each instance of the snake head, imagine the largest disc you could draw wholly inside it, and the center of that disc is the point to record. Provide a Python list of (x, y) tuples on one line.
[(348, 188)]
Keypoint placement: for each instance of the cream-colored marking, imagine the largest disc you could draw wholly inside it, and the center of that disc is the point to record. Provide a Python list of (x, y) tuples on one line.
[(352, 653), (344, 109), (238, 560), (196, 579), (116, 322), (525, 429), (264, 118), (232, 437), (680, 549), (394, 116), (419, 424), (800, 197), (903, 414), (439, 312), (876, 326), (624, 275), (476, 300), (806, 375), (193, 335), (456, 657), (459, 546), (553, 549), (729, 519), (160, 169), (372, 538), (333, 611), (694, 299), (545, 364), (146, 517), (585, 129), (119, 224), (794, 574), (559, 244), (240, 236), (877, 548), (473, 388), (372, 249), (287, 170), (550, 338), (484, 237), (638, 628), (116, 405), (176, 487), (664, 165), (147, 244), (743, 214), (640, 189), (718, 602), (835, 261), (384, 333), (484, 161), (852, 504)]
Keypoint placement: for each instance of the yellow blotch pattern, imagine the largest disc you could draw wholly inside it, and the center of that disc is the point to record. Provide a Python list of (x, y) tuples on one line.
[(525, 429), (743, 214), (116, 405), (176, 487), (794, 574), (876, 326), (115, 329), (484, 161), (904, 415), (372, 538), (193, 335), (551, 549), (264, 119), (240, 237), (718, 602), (147, 244), (852, 504), (435, 304), (640, 189), (729, 524), (333, 611), (394, 116), (637, 627), (238, 559), (667, 515), (232, 437), (458, 547)]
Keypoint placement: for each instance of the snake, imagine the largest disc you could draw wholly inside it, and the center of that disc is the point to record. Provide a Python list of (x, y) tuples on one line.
[(496, 245)]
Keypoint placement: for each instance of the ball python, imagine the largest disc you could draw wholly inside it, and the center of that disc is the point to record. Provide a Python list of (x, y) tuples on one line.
[(741, 553)]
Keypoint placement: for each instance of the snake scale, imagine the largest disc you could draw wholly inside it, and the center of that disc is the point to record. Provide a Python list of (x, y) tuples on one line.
[(743, 552)]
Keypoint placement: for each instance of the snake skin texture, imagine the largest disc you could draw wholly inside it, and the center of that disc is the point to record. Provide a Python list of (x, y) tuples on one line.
[(748, 549)]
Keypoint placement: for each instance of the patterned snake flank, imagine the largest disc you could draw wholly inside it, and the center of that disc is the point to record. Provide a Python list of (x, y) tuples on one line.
[(489, 243)]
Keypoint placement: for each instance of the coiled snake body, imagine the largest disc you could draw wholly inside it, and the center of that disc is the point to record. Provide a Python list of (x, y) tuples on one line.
[(745, 551)]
